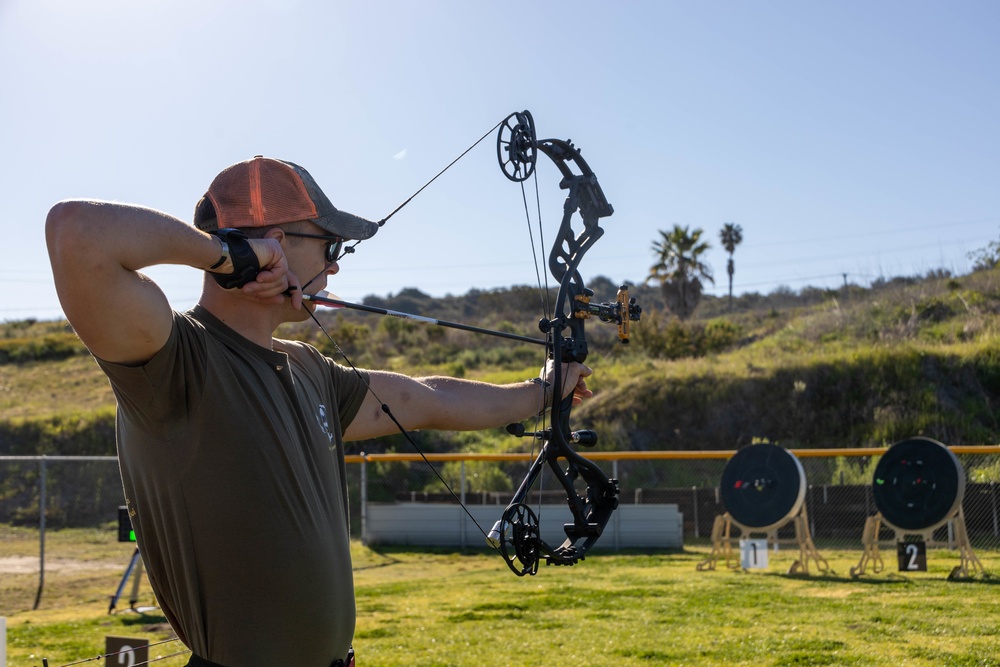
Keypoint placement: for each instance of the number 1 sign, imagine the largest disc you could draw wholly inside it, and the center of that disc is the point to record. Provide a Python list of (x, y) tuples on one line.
[(753, 554)]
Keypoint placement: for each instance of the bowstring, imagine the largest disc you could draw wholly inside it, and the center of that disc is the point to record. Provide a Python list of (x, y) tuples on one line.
[(542, 279), (388, 412), (450, 164), (350, 249)]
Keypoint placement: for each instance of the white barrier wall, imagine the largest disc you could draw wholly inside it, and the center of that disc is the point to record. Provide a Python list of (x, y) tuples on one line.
[(447, 525)]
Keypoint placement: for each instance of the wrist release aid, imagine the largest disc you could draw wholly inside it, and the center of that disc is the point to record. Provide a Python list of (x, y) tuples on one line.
[(245, 264)]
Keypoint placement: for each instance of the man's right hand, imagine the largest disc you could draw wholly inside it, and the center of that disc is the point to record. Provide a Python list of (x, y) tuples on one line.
[(274, 281)]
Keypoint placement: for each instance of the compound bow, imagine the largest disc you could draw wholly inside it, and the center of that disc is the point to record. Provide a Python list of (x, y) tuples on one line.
[(516, 535)]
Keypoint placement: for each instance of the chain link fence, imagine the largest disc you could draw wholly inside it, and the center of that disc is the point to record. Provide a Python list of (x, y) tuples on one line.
[(46, 494)]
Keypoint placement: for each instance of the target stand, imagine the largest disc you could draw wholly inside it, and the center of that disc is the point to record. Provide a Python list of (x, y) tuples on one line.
[(918, 487), (763, 488)]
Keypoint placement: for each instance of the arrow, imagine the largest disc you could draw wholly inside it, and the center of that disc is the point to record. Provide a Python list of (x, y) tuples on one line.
[(325, 299)]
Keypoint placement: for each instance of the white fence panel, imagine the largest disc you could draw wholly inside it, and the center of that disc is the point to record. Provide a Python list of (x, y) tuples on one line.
[(442, 524)]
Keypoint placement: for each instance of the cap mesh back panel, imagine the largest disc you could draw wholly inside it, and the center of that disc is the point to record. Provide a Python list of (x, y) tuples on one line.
[(260, 192)]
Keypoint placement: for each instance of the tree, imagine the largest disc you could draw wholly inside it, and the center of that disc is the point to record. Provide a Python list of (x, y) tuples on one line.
[(679, 269), (986, 258), (731, 235)]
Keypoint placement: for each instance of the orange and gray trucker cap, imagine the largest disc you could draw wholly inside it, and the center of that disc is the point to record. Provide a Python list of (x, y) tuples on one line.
[(266, 191)]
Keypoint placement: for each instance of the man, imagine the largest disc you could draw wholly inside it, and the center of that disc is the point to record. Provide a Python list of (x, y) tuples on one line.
[(230, 442)]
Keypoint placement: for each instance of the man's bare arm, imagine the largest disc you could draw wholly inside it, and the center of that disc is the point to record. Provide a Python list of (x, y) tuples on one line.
[(452, 404), (97, 250)]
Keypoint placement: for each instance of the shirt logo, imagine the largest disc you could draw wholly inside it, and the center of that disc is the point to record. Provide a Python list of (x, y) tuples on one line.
[(324, 423)]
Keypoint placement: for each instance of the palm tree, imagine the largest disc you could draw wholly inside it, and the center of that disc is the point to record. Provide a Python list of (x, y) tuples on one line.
[(679, 269), (731, 235)]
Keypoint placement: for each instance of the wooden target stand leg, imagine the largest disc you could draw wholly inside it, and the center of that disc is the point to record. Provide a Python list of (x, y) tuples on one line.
[(969, 564), (870, 553), (807, 549), (722, 543)]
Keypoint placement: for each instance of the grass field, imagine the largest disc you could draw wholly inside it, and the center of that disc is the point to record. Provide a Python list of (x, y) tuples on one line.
[(466, 609)]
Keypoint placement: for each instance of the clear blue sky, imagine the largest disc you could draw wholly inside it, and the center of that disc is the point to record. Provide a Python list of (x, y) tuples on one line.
[(844, 137)]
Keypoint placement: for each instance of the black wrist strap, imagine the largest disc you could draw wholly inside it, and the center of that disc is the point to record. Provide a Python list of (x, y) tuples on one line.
[(245, 264)]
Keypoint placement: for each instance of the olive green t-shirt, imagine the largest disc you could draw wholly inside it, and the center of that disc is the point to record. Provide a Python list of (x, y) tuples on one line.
[(233, 468)]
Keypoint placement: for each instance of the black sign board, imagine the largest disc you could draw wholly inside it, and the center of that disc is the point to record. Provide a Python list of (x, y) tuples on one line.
[(125, 532), (125, 651), (912, 556)]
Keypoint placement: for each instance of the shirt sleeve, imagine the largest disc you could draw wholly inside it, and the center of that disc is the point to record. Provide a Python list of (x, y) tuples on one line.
[(160, 394)]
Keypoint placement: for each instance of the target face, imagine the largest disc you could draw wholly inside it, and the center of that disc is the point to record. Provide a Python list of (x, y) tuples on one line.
[(918, 484), (763, 486)]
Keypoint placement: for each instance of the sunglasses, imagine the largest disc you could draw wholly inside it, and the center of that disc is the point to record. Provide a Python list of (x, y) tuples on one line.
[(334, 245)]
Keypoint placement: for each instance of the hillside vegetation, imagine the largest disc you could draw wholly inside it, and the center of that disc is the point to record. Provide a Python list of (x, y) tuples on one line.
[(852, 367)]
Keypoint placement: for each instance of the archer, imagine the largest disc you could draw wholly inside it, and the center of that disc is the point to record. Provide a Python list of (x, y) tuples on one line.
[(231, 442)]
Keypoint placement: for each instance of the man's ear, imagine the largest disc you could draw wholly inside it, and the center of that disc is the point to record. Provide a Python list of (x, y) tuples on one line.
[(276, 233)]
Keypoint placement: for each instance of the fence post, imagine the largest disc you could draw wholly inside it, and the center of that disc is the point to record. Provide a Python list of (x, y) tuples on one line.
[(993, 506), (694, 493), (364, 499), (41, 529), (461, 517), (812, 515), (616, 515)]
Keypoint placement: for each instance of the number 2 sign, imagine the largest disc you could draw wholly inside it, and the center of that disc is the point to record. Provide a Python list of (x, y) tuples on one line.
[(912, 556), (125, 651)]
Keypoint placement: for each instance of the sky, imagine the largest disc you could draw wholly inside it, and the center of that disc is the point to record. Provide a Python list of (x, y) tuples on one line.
[(848, 137)]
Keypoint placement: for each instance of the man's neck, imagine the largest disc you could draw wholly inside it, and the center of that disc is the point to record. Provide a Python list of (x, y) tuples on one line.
[(255, 322)]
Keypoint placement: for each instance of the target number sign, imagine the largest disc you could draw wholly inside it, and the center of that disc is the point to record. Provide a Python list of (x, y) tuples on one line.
[(912, 556), (125, 651), (753, 554)]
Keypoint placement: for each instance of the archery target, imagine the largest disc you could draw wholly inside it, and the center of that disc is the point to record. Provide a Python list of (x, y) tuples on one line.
[(918, 485), (763, 486)]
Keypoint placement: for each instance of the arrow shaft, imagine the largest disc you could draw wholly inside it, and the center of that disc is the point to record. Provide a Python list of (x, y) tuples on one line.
[(327, 301)]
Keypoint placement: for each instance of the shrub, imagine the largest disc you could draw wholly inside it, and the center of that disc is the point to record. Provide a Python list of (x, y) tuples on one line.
[(46, 348)]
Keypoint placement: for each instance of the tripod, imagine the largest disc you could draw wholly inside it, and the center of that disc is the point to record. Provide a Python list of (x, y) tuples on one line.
[(135, 570)]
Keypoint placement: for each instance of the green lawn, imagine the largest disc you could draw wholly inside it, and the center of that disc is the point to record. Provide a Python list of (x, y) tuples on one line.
[(453, 609)]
